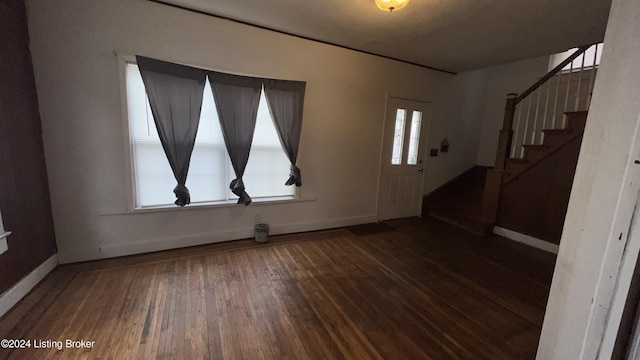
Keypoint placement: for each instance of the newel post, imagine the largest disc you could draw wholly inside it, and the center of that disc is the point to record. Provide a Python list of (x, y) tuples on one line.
[(506, 134), (493, 183)]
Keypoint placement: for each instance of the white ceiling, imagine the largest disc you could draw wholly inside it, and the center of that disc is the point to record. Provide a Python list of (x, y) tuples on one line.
[(453, 35)]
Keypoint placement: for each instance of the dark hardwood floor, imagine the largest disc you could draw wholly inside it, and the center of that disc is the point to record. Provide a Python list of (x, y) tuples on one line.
[(425, 290)]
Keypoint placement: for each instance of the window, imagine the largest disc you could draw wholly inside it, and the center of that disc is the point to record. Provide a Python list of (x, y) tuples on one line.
[(398, 137), (210, 171), (414, 138)]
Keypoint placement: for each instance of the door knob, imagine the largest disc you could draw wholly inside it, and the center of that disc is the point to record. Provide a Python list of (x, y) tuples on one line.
[(420, 169)]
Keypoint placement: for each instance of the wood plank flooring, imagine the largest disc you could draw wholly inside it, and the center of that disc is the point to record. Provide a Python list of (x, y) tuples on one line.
[(423, 291)]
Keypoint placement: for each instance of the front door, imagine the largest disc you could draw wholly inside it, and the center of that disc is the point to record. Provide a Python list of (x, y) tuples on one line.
[(402, 169)]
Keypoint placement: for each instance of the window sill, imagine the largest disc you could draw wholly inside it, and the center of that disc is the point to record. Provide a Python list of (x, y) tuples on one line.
[(212, 205)]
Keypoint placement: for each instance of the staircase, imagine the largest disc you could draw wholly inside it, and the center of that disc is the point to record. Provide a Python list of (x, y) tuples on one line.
[(528, 189), (459, 202), (554, 140)]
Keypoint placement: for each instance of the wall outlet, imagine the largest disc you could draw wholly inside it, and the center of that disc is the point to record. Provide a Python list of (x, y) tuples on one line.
[(258, 218)]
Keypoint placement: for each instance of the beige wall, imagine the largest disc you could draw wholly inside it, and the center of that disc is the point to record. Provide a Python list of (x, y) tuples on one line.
[(456, 116), (73, 44), (501, 80)]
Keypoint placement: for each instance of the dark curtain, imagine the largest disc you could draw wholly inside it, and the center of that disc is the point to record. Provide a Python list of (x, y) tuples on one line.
[(286, 100), (175, 95), (237, 99)]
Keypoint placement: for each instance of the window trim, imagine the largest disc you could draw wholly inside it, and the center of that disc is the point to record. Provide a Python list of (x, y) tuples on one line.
[(210, 206), (131, 204)]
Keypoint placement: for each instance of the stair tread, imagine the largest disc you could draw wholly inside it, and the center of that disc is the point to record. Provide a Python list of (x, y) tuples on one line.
[(460, 192), (554, 139), (558, 131), (536, 147), (518, 160), (577, 113)]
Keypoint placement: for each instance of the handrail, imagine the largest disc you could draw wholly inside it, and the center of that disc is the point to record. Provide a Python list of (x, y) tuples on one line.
[(506, 139), (550, 74)]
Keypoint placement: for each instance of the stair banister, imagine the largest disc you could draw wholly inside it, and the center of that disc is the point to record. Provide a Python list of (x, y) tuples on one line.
[(506, 134), (555, 70), (494, 178)]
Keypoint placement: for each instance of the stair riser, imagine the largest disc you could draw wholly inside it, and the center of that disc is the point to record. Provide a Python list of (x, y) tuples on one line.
[(535, 152), (516, 167), (577, 122), (554, 140), (459, 202)]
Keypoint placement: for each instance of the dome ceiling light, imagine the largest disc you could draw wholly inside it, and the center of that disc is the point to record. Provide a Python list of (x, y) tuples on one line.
[(391, 5)]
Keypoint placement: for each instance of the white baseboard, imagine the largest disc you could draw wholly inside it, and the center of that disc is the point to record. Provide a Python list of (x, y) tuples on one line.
[(526, 239), (160, 244), (11, 297)]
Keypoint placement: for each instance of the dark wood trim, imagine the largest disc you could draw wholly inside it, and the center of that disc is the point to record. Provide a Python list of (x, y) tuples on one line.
[(535, 204), (551, 73), (222, 17), (506, 134)]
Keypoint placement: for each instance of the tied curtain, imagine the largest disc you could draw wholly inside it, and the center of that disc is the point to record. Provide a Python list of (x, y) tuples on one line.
[(237, 99), (286, 100), (175, 96)]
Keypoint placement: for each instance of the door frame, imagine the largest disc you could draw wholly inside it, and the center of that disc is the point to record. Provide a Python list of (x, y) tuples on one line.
[(423, 146)]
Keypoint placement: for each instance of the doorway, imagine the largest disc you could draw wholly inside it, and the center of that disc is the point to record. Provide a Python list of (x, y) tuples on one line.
[(402, 169)]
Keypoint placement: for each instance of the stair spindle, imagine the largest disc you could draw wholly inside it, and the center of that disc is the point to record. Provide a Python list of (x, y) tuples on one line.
[(566, 98), (577, 102), (515, 134), (535, 119), (592, 76), (546, 107), (555, 103), (526, 127)]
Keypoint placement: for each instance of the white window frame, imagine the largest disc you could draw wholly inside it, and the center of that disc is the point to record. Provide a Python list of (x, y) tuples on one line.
[(129, 173)]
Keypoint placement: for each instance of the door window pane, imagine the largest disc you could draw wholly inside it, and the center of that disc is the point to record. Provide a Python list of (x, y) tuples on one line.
[(414, 138), (398, 137)]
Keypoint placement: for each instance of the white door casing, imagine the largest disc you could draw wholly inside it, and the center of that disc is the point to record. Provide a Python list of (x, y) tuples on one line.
[(403, 158)]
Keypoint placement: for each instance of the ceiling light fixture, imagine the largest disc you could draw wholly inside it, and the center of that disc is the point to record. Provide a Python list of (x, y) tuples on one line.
[(391, 5)]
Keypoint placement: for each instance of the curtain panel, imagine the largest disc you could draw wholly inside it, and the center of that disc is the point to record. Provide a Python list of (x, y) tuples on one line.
[(286, 102), (175, 97), (237, 99)]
